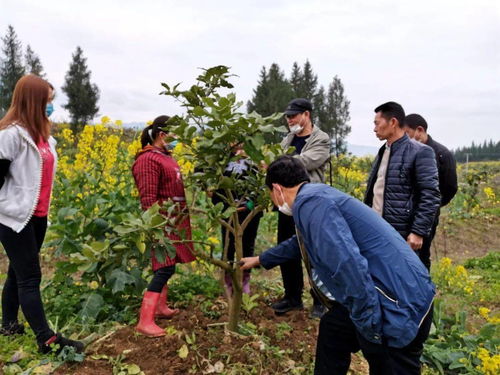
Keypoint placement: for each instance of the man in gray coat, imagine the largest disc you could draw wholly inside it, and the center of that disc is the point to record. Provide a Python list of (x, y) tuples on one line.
[(312, 148)]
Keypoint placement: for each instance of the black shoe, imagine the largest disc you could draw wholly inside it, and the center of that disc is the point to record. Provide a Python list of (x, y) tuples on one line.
[(317, 311), (58, 344), (12, 329), (277, 303), (283, 306)]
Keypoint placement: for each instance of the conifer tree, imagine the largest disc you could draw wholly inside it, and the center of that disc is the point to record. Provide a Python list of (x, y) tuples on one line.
[(296, 80), (272, 94), (11, 68), (82, 94), (337, 116), (33, 64), (320, 116), (309, 82)]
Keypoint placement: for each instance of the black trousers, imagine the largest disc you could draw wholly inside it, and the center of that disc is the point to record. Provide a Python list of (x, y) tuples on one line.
[(338, 338), (425, 251), (22, 286), (249, 235), (160, 278), (291, 272)]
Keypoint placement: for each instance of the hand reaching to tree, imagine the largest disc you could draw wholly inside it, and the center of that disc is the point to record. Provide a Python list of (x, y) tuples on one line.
[(249, 262)]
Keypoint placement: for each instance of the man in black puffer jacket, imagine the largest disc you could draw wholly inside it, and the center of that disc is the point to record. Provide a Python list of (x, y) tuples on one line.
[(403, 184)]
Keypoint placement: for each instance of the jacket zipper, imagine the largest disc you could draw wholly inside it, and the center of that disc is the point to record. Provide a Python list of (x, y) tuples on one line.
[(385, 177), (386, 296), (426, 313), (38, 188)]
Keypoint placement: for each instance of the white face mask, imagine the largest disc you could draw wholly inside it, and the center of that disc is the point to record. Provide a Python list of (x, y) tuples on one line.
[(284, 208), (296, 129)]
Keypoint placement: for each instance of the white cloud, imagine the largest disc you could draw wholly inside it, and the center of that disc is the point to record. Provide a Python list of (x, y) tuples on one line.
[(437, 58)]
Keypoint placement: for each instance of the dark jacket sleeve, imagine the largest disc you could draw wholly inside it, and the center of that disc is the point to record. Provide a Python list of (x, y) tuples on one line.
[(428, 196), (284, 252), (447, 177), (4, 169)]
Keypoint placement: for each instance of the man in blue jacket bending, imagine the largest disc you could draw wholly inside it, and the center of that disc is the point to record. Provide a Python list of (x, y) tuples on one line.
[(378, 292)]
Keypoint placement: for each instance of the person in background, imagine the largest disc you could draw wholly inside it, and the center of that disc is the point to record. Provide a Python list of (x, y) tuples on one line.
[(416, 128), (312, 148), (28, 161), (158, 179), (378, 292), (239, 168), (403, 183)]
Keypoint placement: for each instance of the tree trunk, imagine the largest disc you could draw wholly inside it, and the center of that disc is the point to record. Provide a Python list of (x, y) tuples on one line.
[(237, 277)]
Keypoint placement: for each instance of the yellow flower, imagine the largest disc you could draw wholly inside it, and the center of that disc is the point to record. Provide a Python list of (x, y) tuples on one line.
[(454, 278), (484, 312), (105, 120), (134, 147), (490, 364), (93, 285), (213, 240), (490, 193)]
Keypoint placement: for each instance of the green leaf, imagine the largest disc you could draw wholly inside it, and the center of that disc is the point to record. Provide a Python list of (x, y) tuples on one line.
[(489, 331), (183, 351), (92, 306), (122, 229), (66, 212), (198, 111), (133, 369), (226, 183), (119, 279)]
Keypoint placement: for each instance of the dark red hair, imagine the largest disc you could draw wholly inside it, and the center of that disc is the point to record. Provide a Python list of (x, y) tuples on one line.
[(27, 109)]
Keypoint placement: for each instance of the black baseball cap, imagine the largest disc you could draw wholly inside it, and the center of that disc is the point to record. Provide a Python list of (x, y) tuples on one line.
[(298, 105)]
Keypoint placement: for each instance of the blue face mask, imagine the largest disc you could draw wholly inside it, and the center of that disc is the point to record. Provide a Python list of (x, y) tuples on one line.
[(49, 109), (172, 144)]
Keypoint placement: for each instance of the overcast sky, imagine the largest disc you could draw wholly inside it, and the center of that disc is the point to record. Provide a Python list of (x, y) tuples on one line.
[(437, 58)]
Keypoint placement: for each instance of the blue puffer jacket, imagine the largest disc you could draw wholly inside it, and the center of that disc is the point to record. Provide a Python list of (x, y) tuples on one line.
[(362, 261), (411, 195)]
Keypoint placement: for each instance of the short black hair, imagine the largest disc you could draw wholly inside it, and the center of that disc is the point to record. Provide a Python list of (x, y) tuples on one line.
[(390, 110), (286, 171), (414, 120), (150, 132)]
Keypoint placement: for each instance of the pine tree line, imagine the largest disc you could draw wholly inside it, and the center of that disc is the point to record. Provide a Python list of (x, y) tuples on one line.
[(330, 105), (488, 150), (14, 65), (81, 93)]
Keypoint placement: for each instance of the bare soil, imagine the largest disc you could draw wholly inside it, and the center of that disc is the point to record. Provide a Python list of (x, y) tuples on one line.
[(464, 239), (276, 348)]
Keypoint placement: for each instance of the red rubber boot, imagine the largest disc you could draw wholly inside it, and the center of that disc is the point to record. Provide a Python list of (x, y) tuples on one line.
[(162, 309), (147, 325)]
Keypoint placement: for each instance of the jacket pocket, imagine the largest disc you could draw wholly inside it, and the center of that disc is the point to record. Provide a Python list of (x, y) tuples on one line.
[(395, 317)]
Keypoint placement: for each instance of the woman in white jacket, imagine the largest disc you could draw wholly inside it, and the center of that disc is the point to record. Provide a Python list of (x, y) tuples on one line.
[(27, 165)]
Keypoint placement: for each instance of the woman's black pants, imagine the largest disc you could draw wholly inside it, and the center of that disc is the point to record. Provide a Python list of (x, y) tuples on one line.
[(22, 286)]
